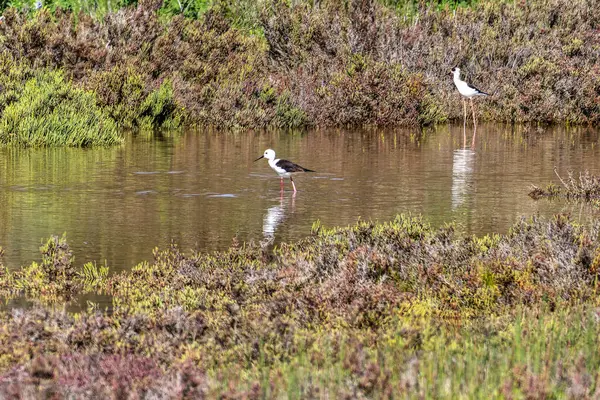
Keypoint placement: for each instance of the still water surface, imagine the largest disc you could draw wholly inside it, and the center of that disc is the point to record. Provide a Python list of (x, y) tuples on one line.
[(202, 189)]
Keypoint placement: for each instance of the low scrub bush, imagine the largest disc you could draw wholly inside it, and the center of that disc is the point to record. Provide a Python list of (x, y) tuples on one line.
[(319, 64), (120, 92), (586, 187), (364, 310), (54, 278), (126, 97), (355, 277)]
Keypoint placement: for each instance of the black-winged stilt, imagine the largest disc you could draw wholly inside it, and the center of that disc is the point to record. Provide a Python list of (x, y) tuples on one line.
[(284, 168), (468, 91)]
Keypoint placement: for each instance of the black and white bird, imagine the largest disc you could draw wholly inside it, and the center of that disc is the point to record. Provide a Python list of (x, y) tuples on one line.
[(284, 168), (466, 90)]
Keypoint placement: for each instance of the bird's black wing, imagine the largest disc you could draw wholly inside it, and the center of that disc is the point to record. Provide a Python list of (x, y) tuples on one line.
[(478, 91), (289, 166)]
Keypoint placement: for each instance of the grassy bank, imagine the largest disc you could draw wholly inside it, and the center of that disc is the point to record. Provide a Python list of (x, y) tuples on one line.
[(272, 64), (365, 311)]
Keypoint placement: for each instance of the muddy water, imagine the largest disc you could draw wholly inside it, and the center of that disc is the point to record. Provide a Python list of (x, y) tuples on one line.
[(202, 189)]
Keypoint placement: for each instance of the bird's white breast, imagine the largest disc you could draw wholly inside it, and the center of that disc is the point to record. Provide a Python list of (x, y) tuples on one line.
[(280, 171), (464, 89)]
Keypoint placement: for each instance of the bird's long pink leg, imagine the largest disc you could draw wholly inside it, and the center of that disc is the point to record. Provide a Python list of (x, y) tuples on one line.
[(293, 184), (464, 123), (281, 184), (473, 108)]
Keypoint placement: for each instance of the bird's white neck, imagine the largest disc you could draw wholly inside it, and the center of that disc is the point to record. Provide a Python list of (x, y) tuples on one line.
[(457, 77)]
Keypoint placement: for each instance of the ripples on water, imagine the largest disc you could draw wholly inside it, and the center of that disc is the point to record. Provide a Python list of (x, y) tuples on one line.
[(202, 189)]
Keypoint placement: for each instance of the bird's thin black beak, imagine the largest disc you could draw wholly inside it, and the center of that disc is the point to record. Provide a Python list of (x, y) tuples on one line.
[(259, 158)]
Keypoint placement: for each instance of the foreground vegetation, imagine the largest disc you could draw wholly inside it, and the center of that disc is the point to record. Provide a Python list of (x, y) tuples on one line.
[(279, 64), (369, 310)]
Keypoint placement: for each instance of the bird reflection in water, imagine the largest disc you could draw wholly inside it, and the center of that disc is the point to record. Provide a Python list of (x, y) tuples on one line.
[(463, 162), (276, 215)]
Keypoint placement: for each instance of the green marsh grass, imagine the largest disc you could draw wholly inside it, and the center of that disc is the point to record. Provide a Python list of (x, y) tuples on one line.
[(51, 111), (533, 353)]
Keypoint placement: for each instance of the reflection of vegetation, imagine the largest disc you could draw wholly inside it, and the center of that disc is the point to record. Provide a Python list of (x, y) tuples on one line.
[(366, 310)]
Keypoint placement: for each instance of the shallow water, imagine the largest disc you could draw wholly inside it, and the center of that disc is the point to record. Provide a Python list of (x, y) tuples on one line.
[(202, 189)]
